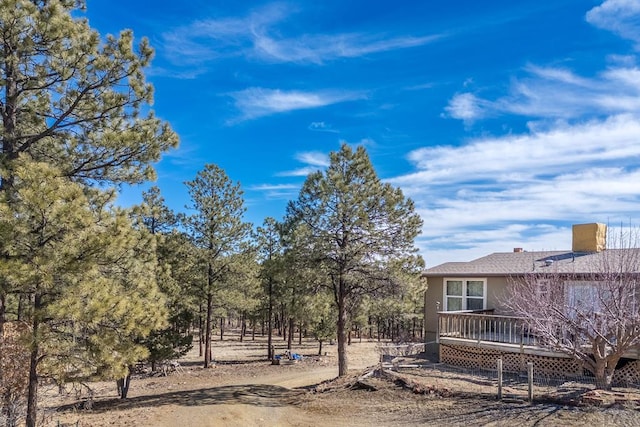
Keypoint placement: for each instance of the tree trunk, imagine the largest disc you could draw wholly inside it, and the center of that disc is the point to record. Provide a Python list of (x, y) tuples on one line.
[(300, 335), (320, 348), (342, 333), (123, 384), (290, 336), (413, 329), (21, 304), (604, 370), (201, 331), (207, 338), (2, 312), (221, 328), (32, 388), (269, 325)]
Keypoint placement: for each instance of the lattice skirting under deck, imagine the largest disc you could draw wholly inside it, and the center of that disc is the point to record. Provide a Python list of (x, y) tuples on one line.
[(480, 358)]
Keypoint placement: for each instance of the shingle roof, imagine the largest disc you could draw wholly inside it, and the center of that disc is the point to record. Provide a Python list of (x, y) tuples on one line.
[(518, 263)]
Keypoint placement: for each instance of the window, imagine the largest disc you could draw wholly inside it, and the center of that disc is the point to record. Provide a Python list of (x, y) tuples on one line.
[(465, 294), (583, 297)]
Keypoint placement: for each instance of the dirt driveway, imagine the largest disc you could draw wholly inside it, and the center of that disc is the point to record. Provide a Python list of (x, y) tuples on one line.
[(246, 390)]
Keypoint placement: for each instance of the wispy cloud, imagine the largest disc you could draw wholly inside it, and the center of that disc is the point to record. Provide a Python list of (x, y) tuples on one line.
[(619, 16), (313, 160), (276, 191), (577, 173), (322, 127), (579, 163), (258, 102), (468, 107), (523, 157), (317, 49), (258, 35), (556, 93)]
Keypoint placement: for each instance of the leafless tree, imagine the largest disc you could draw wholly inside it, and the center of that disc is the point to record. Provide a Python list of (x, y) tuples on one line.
[(14, 368), (591, 313)]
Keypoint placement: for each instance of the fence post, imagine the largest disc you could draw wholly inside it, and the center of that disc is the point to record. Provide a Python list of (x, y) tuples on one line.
[(530, 378), (499, 362)]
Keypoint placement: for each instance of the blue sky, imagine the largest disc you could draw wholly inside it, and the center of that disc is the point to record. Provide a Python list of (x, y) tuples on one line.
[(505, 121)]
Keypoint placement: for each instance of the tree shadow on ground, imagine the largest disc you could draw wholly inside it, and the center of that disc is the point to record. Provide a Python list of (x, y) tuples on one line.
[(481, 412), (252, 394)]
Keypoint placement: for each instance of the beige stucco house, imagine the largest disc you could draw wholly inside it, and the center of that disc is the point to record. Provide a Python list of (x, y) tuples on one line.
[(466, 323)]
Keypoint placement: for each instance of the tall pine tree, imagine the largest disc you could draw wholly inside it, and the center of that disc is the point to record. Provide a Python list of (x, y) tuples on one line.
[(73, 106), (222, 237), (357, 231)]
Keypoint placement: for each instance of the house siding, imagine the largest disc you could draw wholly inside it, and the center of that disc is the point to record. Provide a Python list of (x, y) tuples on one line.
[(496, 288)]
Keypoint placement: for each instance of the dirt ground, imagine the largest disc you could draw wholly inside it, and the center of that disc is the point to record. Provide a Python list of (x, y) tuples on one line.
[(244, 389)]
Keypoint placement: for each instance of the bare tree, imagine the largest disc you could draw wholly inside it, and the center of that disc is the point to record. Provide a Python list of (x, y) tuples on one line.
[(591, 313), (14, 378)]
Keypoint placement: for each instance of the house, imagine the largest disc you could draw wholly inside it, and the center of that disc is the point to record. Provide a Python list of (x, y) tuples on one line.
[(467, 323)]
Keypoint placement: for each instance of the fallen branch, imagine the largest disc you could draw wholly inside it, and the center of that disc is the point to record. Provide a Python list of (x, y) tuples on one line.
[(414, 386)]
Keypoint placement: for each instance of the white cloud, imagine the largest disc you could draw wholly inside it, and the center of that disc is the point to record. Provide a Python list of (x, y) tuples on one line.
[(276, 191), (303, 171), (322, 127), (257, 35), (556, 93), (317, 49), (557, 150), (467, 107), (513, 185), (258, 102), (580, 163), (273, 187), (313, 160), (619, 16), (472, 244)]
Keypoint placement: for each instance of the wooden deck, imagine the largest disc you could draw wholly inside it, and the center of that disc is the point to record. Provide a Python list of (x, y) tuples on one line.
[(483, 329)]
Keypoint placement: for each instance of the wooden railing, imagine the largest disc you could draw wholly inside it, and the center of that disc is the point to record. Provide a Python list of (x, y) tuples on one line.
[(478, 326)]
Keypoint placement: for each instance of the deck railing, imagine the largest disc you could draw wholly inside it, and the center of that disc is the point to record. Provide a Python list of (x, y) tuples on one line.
[(475, 325)]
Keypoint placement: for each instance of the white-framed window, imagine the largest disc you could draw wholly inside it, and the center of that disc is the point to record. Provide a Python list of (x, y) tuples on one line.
[(465, 294), (582, 296)]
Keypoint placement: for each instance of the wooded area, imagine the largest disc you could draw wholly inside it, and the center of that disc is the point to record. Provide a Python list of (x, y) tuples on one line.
[(94, 288)]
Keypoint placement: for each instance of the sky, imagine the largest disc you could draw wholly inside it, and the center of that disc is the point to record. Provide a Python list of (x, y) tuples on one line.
[(504, 121)]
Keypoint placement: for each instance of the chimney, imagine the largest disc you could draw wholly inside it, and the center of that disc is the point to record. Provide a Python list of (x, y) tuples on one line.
[(589, 237), (518, 250)]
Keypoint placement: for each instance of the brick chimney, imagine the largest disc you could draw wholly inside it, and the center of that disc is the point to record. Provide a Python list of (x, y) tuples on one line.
[(589, 237), (518, 250)]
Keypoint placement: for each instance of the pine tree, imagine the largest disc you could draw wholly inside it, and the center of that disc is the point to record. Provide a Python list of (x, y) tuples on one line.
[(222, 238), (73, 100), (172, 247), (73, 105), (355, 230), (86, 273), (269, 256)]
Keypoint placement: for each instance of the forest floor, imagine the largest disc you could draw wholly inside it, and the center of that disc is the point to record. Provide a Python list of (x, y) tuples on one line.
[(245, 389)]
